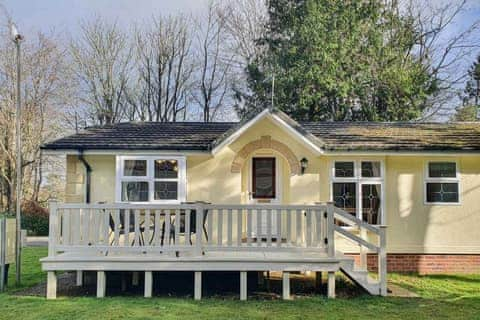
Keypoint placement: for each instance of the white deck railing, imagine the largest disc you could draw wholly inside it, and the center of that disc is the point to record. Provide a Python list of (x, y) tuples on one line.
[(124, 228)]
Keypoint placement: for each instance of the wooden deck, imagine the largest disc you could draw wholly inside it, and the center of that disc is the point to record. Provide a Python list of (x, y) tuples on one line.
[(148, 238)]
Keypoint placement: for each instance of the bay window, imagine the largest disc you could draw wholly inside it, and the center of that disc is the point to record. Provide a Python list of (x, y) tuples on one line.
[(442, 183), (357, 188), (157, 179)]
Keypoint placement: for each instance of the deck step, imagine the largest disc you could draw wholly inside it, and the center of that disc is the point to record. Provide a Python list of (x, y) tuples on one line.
[(360, 277)]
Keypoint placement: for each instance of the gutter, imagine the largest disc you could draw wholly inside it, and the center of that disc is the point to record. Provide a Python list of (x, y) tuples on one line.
[(88, 170)]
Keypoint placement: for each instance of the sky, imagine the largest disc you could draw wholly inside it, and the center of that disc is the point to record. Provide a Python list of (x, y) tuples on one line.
[(62, 17)]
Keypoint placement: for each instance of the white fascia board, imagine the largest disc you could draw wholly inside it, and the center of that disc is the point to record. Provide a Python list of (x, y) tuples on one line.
[(123, 152), (305, 141), (234, 136), (282, 124), (446, 153)]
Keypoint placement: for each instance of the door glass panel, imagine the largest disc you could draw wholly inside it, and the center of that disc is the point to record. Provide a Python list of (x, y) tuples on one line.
[(371, 203), (344, 196), (263, 178)]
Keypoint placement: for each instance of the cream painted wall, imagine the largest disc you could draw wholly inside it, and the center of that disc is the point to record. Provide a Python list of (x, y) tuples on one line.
[(413, 227)]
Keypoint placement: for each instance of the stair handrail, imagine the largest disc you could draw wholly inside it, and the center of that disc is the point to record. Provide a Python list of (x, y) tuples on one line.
[(380, 248)]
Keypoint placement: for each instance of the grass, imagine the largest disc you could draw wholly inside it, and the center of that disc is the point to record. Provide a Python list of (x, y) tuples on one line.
[(441, 297)]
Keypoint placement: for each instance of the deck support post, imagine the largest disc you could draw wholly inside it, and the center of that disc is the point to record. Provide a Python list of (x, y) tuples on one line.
[(318, 280), (51, 285), (79, 281), (198, 285), (286, 285), (135, 278), (148, 284), (243, 285), (331, 284), (101, 284)]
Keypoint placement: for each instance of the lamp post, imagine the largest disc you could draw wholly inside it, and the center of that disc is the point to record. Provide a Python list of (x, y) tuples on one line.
[(17, 39)]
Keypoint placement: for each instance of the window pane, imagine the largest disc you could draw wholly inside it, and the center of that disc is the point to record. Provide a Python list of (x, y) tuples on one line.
[(264, 178), (371, 169), (344, 169), (442, 192), (371, 203), (135, 191), (137, 168), (442, 170), (166, 190), (166, 169), (344, 196)]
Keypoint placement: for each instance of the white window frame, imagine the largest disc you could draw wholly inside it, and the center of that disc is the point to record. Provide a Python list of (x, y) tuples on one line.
[(150, 178), (427, 179), (359, 182)]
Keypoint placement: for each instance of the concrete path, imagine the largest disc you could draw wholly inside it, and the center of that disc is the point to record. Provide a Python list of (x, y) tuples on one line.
[(37, 241)]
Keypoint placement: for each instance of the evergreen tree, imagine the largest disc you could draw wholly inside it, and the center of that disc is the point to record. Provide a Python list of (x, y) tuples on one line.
[(470, 108), (339, 60)]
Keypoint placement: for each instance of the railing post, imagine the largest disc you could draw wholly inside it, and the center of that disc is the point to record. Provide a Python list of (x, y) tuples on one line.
[(3, 251), (52, 226), (330, 230), (382, 259), (199, 212)]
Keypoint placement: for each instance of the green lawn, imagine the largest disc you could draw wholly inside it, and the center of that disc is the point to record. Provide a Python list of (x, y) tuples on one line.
[(441, 297)]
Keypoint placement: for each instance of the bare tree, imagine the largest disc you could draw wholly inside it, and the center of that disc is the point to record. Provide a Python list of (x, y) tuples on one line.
[(163, 68), (101, 59), (214, 63), (43, 89), (440, 50)]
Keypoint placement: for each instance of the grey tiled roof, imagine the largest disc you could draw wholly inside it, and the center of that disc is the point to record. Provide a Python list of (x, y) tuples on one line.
[(396, 136), (332, 136), (196, 136)]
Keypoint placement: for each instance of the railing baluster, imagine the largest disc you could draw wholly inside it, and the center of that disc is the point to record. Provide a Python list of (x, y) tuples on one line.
[(278, 235), (158, 228), (269, 227), (126, 228), (66, 227), (220, 227), (136, 236), (116, 227), (178, 221), (289, 227), (146, 226), (239, 226), (86, 226), (259, 226), (187, 227), (298, 225), (229, 227), (309, 228), (106, 227), (168, 224), (210, 226), (249, 227)]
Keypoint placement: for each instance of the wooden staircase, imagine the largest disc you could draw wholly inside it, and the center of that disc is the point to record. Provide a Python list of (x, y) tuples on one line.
[(360, 276), (357, 232)]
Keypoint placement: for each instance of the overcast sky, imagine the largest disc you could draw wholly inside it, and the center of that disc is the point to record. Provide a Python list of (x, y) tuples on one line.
[(63, 15)]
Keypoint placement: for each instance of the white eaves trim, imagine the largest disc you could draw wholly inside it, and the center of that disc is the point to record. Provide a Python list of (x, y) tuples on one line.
[(281, 123), (121, 152)]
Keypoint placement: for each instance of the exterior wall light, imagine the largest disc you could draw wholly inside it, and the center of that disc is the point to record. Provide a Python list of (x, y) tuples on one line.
[(304, 164)]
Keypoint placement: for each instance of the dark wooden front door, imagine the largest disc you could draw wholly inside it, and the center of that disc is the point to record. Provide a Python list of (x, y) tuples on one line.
[(263, 173)]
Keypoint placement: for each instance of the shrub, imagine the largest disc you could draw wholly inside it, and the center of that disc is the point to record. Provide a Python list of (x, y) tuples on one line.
[(34, 218)]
